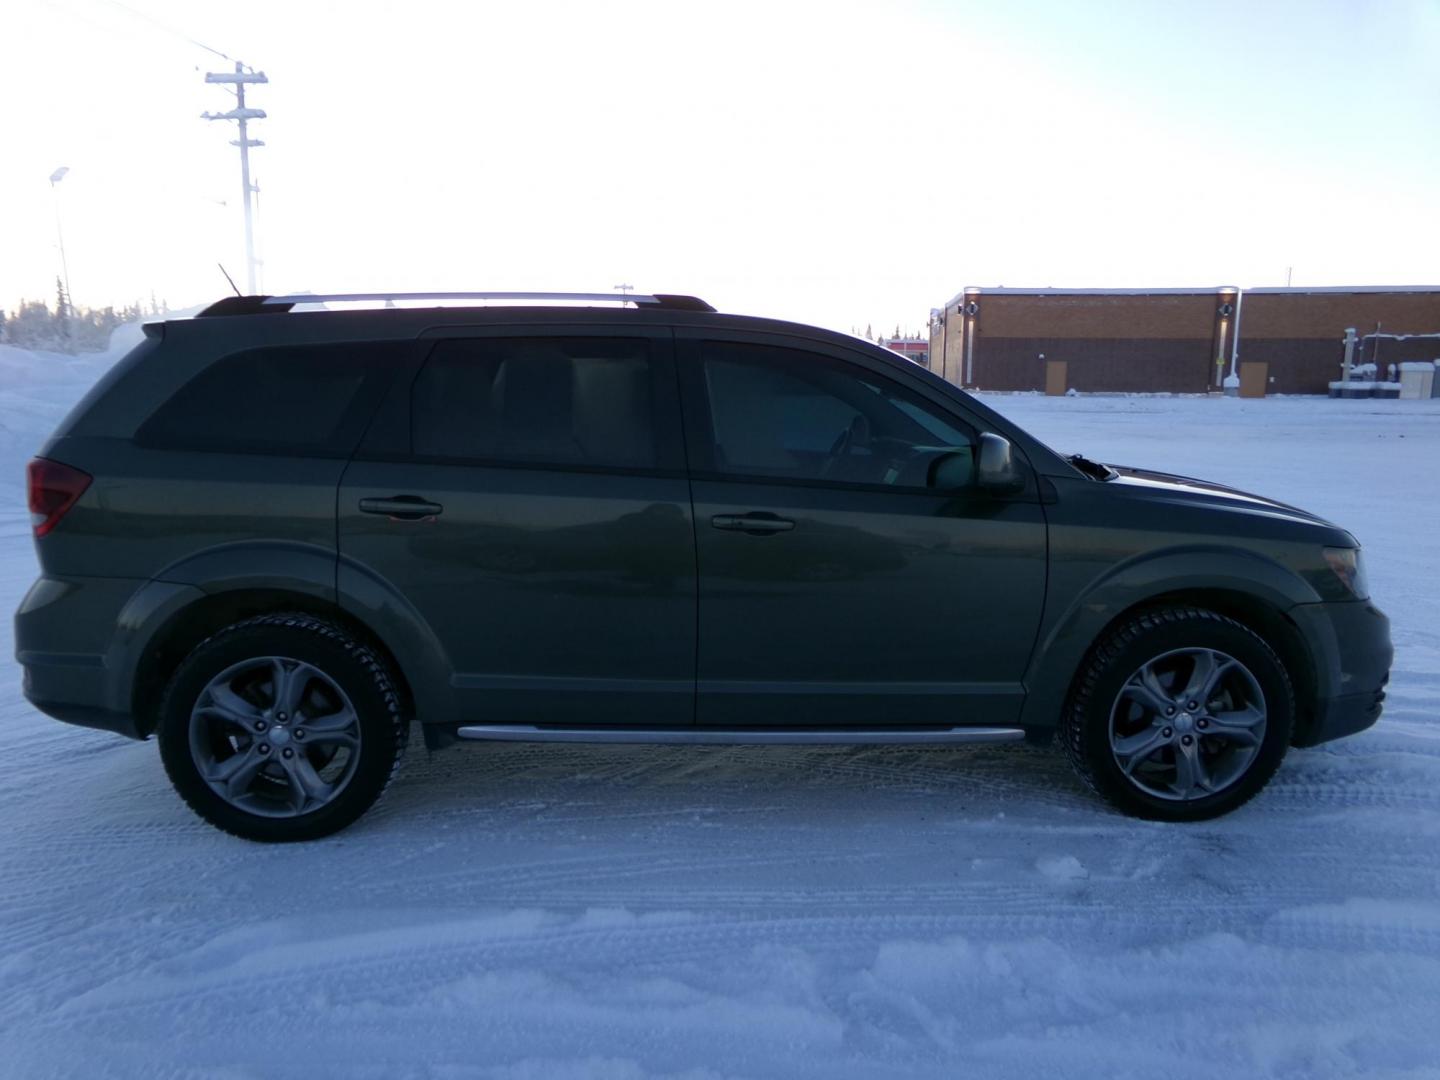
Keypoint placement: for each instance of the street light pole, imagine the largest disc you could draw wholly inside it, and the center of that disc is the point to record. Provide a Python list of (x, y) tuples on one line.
[(55, 178)]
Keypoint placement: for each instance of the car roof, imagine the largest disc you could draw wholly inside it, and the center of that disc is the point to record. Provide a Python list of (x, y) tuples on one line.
[(253, 317)]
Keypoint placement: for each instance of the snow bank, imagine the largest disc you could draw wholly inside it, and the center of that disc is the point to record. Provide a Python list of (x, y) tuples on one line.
[(37, 389)]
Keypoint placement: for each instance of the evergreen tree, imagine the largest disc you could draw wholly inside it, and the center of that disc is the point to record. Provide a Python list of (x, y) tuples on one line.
[(68, 328), (62, 309)]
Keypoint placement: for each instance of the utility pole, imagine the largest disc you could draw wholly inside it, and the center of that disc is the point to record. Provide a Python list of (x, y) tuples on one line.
[(242, 115)]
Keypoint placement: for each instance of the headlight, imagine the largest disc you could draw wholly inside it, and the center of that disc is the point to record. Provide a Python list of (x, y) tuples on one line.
[(1350, 570)]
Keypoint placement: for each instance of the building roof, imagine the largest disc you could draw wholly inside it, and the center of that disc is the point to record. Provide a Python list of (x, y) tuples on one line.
[(1278, 290), (1009, 290)]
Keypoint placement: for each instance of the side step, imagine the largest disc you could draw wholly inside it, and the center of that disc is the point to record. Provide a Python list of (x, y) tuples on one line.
[(741, 736)]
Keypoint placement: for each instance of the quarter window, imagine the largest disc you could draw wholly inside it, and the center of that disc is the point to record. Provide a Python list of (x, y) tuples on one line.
[(291, 399), (551, 401), (800, 416)]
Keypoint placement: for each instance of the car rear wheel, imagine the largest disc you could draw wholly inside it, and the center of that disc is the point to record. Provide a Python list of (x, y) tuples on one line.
[(282, 727), (1180, 714)]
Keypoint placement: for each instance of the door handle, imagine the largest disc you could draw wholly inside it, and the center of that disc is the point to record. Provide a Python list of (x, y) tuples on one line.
[(756, 523), (402, 508)]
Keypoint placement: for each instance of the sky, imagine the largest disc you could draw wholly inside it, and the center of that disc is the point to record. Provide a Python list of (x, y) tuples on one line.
[(849, 165)]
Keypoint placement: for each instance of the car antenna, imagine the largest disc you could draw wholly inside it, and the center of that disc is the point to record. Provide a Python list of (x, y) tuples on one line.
[(229, 278)]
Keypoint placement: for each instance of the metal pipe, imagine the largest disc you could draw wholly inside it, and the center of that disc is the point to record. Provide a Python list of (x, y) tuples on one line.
[(1235, 334)]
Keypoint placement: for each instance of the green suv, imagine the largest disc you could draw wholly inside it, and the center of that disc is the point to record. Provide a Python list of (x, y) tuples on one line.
[(273, 536)]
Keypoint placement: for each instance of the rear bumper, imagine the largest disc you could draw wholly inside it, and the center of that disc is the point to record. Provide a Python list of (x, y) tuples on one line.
[(79, 641), (50, 690), (1350, 645)]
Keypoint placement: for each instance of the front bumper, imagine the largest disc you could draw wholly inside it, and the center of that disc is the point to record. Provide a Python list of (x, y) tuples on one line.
[(1350, 646)]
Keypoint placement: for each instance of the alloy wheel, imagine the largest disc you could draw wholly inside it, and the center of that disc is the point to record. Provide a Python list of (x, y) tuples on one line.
[(1187, 724), (274, 736)]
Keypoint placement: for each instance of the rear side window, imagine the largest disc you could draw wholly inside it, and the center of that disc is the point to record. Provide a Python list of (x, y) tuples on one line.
[(291, 399), (565, 401)]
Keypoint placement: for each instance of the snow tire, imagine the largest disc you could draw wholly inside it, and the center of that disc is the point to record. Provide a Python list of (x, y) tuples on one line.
[(1085, 728), (366, 681)]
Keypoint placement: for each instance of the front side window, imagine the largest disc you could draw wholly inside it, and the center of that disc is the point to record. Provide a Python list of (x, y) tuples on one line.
[(564, 401), (787, 414)]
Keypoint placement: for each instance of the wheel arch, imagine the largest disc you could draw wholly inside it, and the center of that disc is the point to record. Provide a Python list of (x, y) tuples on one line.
[(1255, 593), (187, 627), (1271, 623)]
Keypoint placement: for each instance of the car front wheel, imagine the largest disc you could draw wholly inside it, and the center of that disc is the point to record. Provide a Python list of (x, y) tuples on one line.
[(1180, 714)]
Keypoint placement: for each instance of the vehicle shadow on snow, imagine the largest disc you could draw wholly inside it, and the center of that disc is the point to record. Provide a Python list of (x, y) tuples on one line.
[(478, 778), (616, 789)]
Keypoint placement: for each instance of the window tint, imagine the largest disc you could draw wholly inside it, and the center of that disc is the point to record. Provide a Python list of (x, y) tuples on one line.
[(293, 399), (783, 413), (555, 401)]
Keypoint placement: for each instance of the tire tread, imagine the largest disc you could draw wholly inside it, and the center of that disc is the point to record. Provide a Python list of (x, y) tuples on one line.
[(375, 667), (1072, 732)]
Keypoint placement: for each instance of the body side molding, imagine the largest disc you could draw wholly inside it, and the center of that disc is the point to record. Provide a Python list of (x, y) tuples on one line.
[(738, 736)]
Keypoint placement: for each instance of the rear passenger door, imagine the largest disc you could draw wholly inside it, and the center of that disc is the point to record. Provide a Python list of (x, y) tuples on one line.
[(526, 495)]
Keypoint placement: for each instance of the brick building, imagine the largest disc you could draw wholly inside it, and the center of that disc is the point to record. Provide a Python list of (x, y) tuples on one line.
[(912, 348), (1300, 333), (1175, 340)]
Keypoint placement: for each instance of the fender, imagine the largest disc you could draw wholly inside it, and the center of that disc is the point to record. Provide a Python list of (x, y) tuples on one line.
[(426, 665), (317, 572), (1066, 637), (308, 569), (149, 608)]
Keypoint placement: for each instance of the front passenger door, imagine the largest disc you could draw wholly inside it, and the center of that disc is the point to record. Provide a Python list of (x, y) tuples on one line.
[(838, 586)]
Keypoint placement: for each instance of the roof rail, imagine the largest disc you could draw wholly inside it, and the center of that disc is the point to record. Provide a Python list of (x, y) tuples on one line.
[(256, 305)]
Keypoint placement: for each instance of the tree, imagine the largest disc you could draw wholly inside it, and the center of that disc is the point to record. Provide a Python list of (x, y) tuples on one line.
[(62, 309), (68, 329)]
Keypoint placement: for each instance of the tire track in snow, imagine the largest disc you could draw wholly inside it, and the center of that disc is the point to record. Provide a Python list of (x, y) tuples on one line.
[(373, 966)]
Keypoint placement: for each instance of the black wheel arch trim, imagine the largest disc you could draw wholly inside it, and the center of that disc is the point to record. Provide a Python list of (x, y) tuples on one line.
[(1237, 583)]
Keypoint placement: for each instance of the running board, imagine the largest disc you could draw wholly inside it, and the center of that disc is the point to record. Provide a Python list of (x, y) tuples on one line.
[(740, 736)]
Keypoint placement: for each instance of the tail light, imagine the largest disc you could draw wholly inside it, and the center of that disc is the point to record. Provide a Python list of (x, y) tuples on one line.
[(54, 488)]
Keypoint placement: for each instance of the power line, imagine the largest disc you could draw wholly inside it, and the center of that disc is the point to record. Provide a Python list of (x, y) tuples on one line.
[(169, 29)]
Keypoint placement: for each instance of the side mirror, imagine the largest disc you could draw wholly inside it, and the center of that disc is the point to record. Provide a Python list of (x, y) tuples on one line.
[(996, 469), (952, 470)]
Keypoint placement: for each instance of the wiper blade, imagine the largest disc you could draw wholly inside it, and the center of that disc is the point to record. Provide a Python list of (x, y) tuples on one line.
[(1092, 468)]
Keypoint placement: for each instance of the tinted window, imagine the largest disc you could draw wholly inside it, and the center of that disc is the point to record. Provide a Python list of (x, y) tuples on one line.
[(553, 401), (783, 413), (295, 399)]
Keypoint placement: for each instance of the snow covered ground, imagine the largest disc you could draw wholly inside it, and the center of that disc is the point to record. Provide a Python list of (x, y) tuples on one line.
[(626, 912)]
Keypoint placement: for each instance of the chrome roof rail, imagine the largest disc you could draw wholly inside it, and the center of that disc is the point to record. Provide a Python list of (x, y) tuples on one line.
[(272, 305), (640, 299), (370, 297)]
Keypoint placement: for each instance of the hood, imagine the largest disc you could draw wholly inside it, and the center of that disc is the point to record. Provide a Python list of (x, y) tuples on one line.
[(1189, 490)]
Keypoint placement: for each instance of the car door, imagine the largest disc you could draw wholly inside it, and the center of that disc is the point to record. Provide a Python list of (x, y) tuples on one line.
[(526, 496), (839, 586)]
